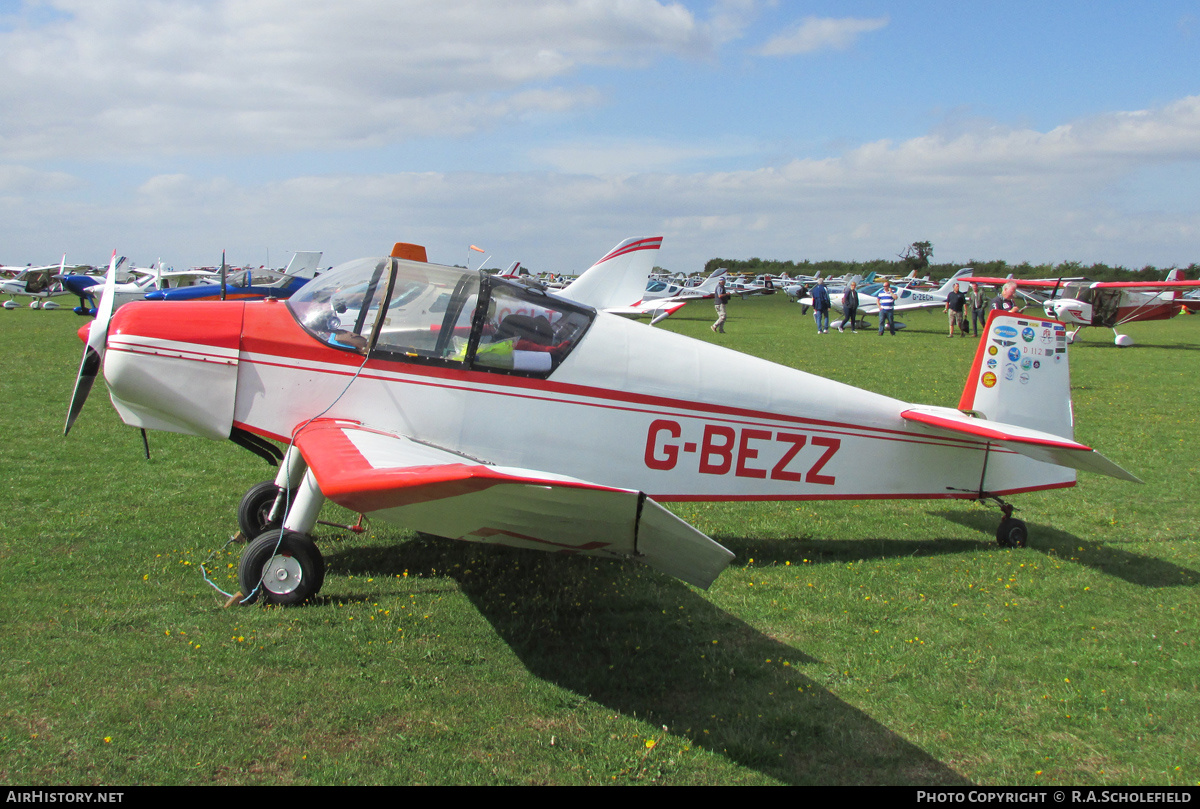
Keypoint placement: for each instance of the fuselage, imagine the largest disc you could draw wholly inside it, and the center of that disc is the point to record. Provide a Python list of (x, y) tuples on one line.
[(1081, 305), (625, 406)]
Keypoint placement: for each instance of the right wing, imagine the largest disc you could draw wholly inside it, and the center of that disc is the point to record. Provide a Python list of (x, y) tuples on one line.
[(436, 491)]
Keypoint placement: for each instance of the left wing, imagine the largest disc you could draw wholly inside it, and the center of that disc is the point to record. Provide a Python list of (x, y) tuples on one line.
[(441, 492)]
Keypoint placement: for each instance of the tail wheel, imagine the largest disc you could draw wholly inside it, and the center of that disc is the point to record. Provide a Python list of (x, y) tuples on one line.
[(255, 509), (1012, 533), (281, 567)]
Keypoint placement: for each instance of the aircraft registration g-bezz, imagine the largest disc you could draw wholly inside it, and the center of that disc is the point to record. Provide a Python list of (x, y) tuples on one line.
[(424, 395), (1109, 303)]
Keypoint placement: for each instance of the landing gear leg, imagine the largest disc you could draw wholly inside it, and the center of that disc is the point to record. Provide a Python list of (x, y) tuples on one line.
[(283, 565)]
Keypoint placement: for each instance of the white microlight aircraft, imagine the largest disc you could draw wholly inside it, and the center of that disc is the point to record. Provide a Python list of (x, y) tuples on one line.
[(39, 283), (404, 390), (1109, 303)]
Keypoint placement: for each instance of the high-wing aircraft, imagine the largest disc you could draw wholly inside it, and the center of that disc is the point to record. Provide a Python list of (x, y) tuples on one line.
[(39, 283), (1110, 304), (466, 406)]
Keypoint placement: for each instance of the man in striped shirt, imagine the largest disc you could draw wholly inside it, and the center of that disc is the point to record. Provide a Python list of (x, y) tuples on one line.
[(887, 307)]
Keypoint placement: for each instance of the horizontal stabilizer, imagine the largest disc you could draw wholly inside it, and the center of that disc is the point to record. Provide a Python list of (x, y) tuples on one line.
[(440, 492), (1040, 446)]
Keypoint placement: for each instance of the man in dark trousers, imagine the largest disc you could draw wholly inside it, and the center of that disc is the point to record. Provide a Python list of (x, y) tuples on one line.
[(850, 308), (821, 303)]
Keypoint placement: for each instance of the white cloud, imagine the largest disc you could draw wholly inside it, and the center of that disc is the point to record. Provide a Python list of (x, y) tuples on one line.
[(821, 33), (1067, 193), (614, 156), (168, 76)]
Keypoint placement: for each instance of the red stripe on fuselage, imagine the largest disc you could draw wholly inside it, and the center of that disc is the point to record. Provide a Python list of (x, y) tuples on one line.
[(270, 330)]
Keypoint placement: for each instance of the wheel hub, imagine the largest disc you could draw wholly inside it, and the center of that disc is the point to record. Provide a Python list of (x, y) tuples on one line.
[(282, 574)]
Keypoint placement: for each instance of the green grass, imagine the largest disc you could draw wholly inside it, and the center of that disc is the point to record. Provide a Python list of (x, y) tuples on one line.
[(851, 642)]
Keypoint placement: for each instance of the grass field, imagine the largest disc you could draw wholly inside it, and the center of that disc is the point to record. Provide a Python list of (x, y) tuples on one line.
[(850, 643)]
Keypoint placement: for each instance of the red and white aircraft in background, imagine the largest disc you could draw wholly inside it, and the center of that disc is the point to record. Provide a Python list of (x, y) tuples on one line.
[(1110, 303), (466, 406)]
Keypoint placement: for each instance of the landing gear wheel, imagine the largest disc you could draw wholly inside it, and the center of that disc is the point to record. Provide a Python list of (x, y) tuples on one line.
[(287, 569), (255, 508), (1012, 533)]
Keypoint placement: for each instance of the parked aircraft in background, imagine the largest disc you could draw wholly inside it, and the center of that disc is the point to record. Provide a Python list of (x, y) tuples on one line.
[(420, 394), (660, 308), (39, 283), (1110, 303), (87, 287), (299, 271), (907, 299), (514, 270)]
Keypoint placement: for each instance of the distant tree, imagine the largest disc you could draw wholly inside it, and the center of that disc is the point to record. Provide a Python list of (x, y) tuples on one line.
[(916, 255)]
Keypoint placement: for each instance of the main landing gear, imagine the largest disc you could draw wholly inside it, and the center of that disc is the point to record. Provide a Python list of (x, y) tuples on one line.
[(282, 564)]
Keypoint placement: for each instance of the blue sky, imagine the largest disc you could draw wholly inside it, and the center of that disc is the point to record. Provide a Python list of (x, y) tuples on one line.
[(547, 132)]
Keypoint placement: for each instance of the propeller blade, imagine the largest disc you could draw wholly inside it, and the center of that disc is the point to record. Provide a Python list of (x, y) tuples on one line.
[(89, 366), (93, 352)]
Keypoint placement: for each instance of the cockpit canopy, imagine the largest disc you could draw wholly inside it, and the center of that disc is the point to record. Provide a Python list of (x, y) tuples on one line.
[(411, 311)]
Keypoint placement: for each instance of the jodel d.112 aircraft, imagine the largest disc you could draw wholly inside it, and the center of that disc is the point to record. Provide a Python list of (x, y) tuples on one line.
[(467, 406)]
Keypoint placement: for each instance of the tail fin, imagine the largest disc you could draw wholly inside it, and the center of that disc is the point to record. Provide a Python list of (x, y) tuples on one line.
[(1020, 375), (303, 265), (710, 283), (618, 279), (1019, 393), (945, 289)]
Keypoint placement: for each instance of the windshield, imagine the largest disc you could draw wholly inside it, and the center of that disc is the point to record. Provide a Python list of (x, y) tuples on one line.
[(439, 315)]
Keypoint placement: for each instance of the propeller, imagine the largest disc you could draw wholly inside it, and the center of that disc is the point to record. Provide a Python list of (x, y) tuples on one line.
[(93, 352), (1051, 309)]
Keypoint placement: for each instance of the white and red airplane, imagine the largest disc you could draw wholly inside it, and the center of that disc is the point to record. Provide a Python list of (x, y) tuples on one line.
[(1110, 303), (404, 390), (661, 304)]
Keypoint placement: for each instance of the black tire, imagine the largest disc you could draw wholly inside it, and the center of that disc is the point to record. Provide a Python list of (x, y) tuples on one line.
[(287, 569), (255, 506), (1012, 533)]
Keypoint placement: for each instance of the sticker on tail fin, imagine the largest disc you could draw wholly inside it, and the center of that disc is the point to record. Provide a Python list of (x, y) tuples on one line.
[(1020, 374)]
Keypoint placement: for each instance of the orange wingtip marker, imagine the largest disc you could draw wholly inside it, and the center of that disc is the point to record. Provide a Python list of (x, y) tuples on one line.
[(412, 252)]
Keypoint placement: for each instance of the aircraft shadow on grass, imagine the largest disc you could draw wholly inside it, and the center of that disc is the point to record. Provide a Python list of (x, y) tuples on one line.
[(801, 550), (1145, 571), (623, 636)]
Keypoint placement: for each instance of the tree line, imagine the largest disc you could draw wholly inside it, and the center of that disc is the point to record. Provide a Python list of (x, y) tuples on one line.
[(1000, 268)]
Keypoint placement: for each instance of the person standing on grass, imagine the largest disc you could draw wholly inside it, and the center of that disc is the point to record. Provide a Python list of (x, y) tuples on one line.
[(850, 308), (821, 303), (887, 307), (979, 311), (720, 300), (955, 303)]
